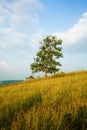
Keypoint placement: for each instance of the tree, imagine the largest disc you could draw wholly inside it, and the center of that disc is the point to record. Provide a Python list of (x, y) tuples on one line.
[(46, 58)]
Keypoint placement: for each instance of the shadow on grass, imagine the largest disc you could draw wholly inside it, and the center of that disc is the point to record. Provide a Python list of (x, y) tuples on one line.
[(10, 111), (75, 123)]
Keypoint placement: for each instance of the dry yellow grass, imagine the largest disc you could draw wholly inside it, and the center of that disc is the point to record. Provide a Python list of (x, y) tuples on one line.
[(53, 103)]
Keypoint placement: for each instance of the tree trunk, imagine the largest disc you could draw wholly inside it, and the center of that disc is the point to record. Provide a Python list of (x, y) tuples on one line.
[(45, 74)]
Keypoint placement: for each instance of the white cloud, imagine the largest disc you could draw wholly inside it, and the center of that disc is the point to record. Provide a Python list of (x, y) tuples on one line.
[(9, 37), (77, 35), (5, 65), (1, 19), (20, 22), (25, 14)]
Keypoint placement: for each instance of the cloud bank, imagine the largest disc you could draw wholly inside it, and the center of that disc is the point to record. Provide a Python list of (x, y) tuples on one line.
[(75, 38)]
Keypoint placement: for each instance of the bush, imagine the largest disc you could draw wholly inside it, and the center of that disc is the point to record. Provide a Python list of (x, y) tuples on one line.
[(62, 74), (30, 77)]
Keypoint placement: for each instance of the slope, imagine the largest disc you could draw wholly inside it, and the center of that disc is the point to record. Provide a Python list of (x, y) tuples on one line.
[(53, 103)]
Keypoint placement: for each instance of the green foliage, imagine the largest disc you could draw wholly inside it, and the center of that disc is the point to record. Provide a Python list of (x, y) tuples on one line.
[(31, 77), (46, 57)]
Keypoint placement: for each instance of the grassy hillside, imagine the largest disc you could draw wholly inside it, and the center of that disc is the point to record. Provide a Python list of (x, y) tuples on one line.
[(53, 103)]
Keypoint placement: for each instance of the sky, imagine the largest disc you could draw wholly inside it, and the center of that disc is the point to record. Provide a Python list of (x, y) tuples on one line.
[(24, 23)]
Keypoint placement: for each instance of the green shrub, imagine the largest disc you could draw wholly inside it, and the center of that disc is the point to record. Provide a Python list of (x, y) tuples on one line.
[(57, 75)]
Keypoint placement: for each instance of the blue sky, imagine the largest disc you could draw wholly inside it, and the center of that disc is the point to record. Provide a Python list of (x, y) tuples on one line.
[(23, 23)]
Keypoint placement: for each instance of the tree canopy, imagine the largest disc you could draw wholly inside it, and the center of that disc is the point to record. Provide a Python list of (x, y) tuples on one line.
[(47, 57)]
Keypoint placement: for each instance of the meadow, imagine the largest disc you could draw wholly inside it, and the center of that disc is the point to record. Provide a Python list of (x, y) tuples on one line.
[(58, 102)]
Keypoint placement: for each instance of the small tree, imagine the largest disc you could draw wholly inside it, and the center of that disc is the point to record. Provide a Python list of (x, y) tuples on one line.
[(46, 57)]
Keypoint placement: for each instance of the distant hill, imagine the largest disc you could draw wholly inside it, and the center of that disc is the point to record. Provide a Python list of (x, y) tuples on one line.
[(10, 81), (58, 102)]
